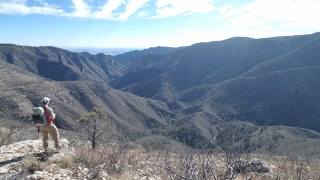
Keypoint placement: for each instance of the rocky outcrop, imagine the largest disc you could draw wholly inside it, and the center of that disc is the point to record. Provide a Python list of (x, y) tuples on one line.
[(20, 160), (13, 159)]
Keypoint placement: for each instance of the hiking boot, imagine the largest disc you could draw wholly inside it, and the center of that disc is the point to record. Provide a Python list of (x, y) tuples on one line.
[(58, 147)]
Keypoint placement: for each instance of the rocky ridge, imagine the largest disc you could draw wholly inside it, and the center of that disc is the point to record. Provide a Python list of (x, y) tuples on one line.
[(15, 163), (142, 165), (12, 157)]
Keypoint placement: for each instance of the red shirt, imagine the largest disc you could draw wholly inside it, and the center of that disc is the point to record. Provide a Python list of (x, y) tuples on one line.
[(48, 112)]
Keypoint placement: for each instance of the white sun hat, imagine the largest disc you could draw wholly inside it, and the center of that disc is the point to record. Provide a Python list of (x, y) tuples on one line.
[(45, 99)]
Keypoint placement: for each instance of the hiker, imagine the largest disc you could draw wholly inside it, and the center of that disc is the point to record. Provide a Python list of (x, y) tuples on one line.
[(49, 128)]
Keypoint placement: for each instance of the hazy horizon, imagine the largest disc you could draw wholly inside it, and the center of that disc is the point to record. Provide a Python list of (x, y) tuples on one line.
[(107, 51)]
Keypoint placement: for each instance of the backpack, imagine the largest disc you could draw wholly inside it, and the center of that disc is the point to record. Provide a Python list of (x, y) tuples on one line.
[(38, 115)]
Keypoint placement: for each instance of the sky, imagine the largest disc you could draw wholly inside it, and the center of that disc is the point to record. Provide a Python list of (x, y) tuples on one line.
[(151, 23)]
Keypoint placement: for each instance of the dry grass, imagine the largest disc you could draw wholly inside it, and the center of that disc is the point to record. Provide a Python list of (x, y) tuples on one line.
[(112, 158), (32, 164), (119, 161), (286, 167), (67, 161), (7, 135), (123, 162), (190, 165)]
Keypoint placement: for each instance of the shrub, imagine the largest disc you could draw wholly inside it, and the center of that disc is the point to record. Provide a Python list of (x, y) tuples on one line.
[(112, 158), (67, 161), (7, 135), (31, 164)]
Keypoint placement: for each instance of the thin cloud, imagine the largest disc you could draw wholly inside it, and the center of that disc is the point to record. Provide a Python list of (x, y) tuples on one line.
[(81, 9), (224, 9), (14, 8), (288, 13), (20, 7), (107, 10), (45, 4), (169, 8), (143, 14), (112, 9), (45, 10), (192, 22), (132, 7)]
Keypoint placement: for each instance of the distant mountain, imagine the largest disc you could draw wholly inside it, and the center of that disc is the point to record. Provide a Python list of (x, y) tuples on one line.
[(62, 65), (86, 54), (271, 81), (111, 67), (128, 57)]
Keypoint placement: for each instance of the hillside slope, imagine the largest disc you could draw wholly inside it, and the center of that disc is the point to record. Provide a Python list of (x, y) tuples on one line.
[(62, 65), (20, 90), (271, 81)]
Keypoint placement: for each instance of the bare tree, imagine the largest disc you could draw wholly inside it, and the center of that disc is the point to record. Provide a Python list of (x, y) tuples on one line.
[(97, 126), (190, 165)]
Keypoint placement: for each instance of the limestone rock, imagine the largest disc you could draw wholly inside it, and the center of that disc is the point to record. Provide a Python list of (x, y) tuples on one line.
[(12, 156)]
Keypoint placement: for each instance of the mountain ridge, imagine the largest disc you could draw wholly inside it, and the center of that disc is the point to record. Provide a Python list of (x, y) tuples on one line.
[(212, 64), (63, 65), (177, 93)]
